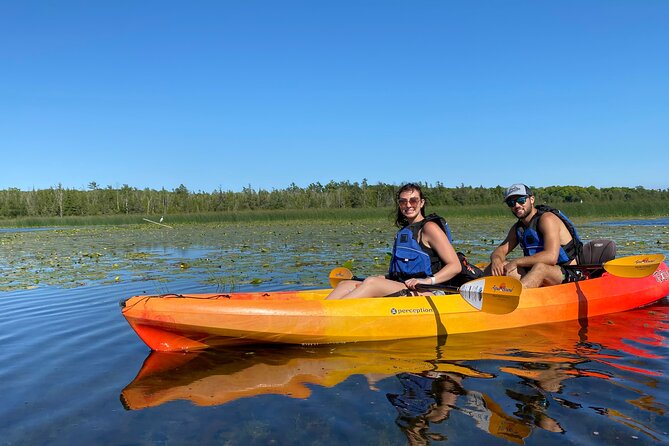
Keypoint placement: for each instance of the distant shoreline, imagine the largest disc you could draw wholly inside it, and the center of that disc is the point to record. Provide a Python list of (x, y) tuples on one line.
[(609, 210), (59, 206)]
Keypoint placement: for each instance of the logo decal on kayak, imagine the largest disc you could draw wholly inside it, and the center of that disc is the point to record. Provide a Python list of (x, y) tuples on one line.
[(661, 276), (644, 260), (410, 310), (503, 288)]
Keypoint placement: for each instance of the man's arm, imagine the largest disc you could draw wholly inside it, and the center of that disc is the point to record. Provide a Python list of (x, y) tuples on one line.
[(498, 256)]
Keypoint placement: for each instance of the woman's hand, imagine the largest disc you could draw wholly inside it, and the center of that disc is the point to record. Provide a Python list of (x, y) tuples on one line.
[(413, 283)]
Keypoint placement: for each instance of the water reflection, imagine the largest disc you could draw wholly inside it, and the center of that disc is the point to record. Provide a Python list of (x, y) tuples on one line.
[(430, 397), (508, 383)]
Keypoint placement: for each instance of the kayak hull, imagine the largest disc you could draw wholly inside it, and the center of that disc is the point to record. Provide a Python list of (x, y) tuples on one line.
[(197, 321)]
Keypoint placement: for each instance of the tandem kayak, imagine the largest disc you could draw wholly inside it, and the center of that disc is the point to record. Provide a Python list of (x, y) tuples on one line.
[(180, 322)]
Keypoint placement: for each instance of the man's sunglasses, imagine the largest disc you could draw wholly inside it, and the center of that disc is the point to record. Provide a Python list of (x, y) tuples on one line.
[(511, 202)]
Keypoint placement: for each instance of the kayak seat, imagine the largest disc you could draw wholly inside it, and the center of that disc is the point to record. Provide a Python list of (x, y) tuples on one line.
[(597, 252)]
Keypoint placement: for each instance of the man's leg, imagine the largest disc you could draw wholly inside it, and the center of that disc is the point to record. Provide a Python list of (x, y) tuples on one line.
[(542, 275)]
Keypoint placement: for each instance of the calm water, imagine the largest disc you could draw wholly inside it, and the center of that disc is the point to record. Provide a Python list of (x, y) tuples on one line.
[(664, 221), (73, 372)]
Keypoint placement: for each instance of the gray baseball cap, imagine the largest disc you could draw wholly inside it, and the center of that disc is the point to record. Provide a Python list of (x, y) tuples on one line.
[(517, 189)]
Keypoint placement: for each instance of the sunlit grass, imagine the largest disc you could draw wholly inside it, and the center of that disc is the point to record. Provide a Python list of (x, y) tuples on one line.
[(638, 208)]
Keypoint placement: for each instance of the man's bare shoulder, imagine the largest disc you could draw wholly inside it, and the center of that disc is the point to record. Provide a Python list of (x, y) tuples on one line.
[(549, 220)]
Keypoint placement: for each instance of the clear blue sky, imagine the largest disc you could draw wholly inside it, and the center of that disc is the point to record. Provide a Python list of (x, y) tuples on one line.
[(227, 94)]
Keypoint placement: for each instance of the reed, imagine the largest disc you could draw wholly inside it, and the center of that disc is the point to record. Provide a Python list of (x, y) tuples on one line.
[(203, 218), (636, 208), (609, 209)]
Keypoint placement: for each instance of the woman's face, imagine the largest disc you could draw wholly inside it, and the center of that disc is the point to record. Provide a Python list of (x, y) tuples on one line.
[(410, 203)]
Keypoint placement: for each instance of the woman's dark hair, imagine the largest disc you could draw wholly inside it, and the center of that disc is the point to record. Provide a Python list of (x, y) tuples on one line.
[(400, 219)]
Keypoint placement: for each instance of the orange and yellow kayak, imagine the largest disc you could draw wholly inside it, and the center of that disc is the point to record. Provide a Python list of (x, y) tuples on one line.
[(177, 322)]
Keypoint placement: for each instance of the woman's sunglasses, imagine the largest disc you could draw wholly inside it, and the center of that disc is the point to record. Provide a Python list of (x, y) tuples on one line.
[(511, 202), (413, 201)]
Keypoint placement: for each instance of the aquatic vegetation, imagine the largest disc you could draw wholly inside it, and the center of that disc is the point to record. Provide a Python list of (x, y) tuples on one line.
[(235, 255)]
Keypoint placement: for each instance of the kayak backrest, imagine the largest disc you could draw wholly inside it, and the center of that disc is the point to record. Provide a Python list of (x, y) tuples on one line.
[(596, 252)]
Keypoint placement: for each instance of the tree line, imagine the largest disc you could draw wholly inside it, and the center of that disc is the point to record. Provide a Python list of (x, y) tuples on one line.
[(59, 201)]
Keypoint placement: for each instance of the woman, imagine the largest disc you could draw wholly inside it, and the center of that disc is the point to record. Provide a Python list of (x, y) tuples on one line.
[(422, 254)]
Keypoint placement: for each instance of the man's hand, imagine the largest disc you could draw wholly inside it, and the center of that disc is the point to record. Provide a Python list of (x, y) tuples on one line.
[(510, 267), (498, 267)]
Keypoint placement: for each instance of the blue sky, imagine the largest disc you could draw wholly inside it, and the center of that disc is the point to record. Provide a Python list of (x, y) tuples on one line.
[(227, 94)]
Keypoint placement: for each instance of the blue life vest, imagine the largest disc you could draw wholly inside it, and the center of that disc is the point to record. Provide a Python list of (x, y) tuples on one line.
[(532, 241), (409, 259)]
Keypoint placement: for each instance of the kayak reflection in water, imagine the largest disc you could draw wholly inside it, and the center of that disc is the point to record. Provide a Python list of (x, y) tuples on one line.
[(429, 398), (422, 255)]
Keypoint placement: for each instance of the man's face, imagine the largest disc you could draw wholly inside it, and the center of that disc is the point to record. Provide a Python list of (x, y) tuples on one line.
[(520, 205)]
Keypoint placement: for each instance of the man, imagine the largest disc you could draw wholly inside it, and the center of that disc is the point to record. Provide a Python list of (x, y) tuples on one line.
[(547, 237)]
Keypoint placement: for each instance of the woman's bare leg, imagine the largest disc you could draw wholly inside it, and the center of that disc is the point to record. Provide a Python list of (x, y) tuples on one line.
[(343, 288), (375, 286)]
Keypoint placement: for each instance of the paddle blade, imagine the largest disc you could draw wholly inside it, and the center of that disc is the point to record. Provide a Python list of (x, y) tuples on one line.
[(494, 294), (634, 266), (339, 274)]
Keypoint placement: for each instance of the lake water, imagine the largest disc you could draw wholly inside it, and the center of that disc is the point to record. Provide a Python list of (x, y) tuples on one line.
[(664, 221), (73, 372)]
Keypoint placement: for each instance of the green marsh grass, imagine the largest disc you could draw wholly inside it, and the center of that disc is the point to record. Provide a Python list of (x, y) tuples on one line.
[(611, 209)]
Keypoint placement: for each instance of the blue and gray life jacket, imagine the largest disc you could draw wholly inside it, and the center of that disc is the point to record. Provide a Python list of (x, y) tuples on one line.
[(532, 241), (410, 259)]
